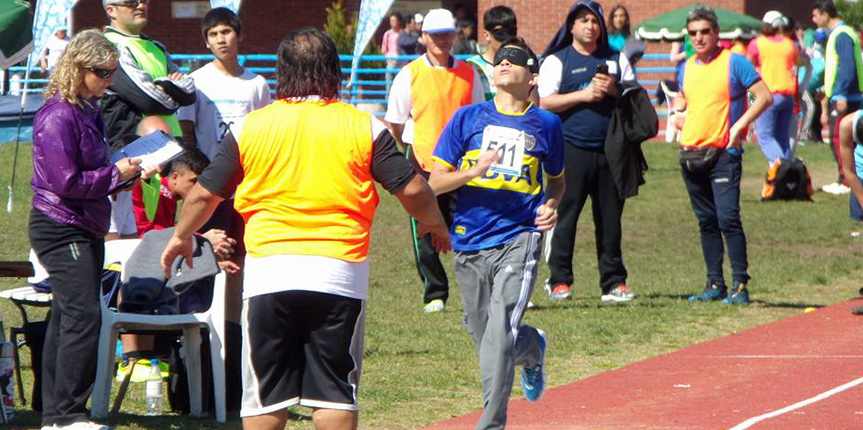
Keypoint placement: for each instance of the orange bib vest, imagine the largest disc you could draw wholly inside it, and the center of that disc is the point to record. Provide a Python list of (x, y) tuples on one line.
[(708, 99), (777, 64), (435, 96), (307, 186)]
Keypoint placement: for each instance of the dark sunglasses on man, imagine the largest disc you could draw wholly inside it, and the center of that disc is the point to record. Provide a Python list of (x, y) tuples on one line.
[(132, 4), (701, 31), (102, 73)]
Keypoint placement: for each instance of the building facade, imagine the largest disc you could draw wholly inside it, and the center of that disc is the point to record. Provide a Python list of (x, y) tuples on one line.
[(177, 23)]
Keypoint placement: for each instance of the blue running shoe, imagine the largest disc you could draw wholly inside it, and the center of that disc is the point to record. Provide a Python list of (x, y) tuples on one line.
[(533, 379), (712, 293), (740, 296)]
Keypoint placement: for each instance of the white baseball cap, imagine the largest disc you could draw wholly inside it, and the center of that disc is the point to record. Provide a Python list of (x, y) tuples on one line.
[(774, 18), (439, 21), (418, 18)]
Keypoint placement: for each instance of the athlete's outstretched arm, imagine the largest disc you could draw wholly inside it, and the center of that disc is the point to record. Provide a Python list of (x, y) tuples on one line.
[(418, 200)]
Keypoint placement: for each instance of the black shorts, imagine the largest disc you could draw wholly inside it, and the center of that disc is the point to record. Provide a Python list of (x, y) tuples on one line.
[(226, 218), (301, 348)]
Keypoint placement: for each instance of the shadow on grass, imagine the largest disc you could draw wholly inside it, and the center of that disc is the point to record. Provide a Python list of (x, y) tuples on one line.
[(786, 305)]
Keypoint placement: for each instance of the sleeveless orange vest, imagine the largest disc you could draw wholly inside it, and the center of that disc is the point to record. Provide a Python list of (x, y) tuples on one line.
[(777, 64), (435, 96), (708, 99), (307, 187)]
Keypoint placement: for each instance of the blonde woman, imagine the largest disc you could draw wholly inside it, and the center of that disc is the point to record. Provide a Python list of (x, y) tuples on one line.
[(72, 178)]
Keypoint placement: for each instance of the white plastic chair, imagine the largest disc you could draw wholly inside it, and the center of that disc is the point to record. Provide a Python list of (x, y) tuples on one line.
[(213, 319)]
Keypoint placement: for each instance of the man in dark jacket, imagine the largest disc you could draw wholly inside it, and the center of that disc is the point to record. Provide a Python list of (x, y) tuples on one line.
[(579, 81), (146, 83)]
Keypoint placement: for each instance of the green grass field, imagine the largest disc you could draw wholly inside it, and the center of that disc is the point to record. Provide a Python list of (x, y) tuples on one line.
[(421, 368)]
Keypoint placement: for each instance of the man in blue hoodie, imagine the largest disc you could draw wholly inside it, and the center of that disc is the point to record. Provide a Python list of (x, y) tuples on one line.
[(578, 81)]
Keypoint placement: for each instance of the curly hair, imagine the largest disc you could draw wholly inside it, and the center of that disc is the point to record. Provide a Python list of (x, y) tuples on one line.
[(88, 48), (307, 64)]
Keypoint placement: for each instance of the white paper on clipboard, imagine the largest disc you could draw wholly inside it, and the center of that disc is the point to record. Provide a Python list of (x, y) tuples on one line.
[(154, 149)]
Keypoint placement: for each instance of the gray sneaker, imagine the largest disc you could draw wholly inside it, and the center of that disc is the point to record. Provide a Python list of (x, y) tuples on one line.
[(620, 293)]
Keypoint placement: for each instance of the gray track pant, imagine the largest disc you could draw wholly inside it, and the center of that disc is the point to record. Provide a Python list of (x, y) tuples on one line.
[(496, 285)]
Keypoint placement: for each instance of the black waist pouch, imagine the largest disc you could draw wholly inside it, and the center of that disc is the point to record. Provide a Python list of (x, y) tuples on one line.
[(699, 160)]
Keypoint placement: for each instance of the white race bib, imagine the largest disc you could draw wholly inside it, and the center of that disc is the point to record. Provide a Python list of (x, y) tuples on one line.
[(509, 144)]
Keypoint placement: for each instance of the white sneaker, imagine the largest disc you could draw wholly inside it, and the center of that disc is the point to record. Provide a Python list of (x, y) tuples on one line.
[(434, 306), (836, 188), (48, 427), (82, 425)]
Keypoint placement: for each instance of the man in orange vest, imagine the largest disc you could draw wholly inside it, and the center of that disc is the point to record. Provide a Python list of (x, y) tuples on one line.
[(714, 84), (307, 195), (424, 96), (775, 58)]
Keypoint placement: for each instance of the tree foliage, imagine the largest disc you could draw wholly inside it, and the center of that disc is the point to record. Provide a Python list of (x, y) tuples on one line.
[(851, 12)]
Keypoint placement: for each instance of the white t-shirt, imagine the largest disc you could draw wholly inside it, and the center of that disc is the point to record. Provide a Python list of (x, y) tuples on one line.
[(266, 275), (55, 48), (222, 104), (399, 105)]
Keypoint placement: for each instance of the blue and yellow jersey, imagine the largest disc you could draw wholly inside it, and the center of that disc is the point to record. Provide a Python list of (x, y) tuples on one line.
[(494, 209)]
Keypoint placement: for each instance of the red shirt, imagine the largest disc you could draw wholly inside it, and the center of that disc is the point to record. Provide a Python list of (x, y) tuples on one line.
[(166, 211)]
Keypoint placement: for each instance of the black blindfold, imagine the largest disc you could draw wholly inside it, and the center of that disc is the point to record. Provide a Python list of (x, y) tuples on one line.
[(518, 57)]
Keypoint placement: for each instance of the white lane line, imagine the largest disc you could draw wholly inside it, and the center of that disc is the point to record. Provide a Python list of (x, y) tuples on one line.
[(754, 420), (807, 357)]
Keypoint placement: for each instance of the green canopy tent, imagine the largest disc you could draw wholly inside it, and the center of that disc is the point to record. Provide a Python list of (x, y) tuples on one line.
[(16, 35), (672, 25)]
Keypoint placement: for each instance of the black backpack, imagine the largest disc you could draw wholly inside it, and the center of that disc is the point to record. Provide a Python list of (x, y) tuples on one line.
[(787, 180)]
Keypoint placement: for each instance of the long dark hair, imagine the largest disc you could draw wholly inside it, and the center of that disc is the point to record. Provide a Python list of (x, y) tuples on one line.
[(307, 64), (610, 24)]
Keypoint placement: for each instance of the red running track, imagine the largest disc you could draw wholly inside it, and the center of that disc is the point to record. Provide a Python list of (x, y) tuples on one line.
[(776, 376)]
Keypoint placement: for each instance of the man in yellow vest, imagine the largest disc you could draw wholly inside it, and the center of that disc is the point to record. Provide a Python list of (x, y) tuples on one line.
[(843, 78), (424, 96), (714, 84), (307, 195)]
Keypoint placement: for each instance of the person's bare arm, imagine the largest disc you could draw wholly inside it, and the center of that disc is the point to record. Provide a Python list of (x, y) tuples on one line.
[(846, 152), (397, 130), (198, 207), (546, 214), (763, 100), (189, 138), (444, 179), (418, 200)]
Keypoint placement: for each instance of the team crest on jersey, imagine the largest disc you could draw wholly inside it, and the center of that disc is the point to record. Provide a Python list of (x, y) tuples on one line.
[(460, 230), (529, 141)]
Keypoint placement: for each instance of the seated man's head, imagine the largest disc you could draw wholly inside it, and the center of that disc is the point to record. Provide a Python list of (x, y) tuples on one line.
[(183, 171), (222, 32), (516, 68), (152, 123)]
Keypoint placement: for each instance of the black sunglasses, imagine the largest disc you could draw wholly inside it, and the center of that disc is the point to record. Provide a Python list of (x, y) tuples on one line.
[(703, 32), (130, 3), (102, 73)]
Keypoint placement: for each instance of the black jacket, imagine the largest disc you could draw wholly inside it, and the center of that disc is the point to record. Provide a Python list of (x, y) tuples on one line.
[(633, 121)]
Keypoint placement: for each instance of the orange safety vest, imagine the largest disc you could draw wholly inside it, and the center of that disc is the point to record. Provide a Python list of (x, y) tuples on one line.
[(436, 94), (777, 61), (708, 100), (307, 184)]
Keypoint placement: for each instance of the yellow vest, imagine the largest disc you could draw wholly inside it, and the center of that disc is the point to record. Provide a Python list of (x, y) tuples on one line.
[(435, 96), (831, 67), (307, 183)]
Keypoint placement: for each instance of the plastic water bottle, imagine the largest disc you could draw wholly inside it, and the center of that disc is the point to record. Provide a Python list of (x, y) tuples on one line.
[(154, 389)]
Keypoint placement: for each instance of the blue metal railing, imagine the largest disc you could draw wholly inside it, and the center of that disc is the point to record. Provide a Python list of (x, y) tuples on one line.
[(371, 85)]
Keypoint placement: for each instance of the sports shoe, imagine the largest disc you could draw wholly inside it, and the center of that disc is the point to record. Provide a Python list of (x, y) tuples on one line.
[(83, 425), (620, 293), (857, 310), (836, 188), (436, 305), (141, 371), (740, 296), (558, 291), (712, 293), (51, 427), (533, 379)]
